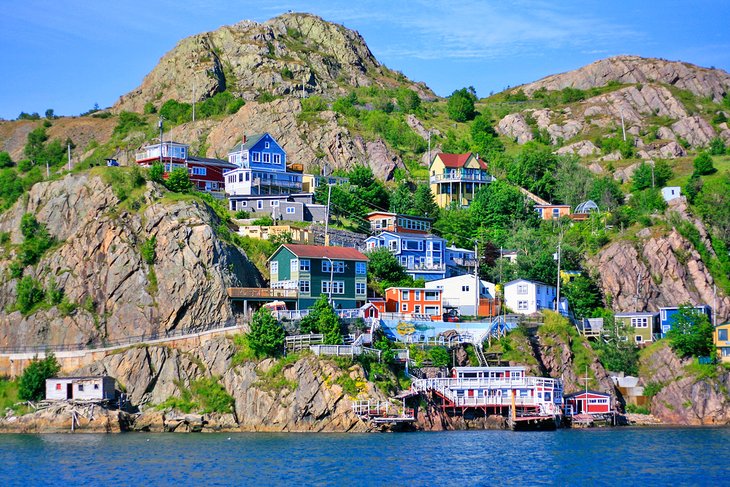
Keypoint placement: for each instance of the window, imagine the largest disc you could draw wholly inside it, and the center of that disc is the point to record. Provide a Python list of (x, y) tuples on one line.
[(248, 176), (417, 295), (464, 289), (338, 287), (290, 210), (522, 289), (198, 171), (432, 295), (255, 156), (404, 307), (58, 387), (640, 322), (96, 386), (638, 338), (294, 265), (267, 157), (361, 268), (722, 335), (274, 267), (304, 287), (260, 204), (304, 265), (417, 309), (522, 305), (405, 295), (275, 203), (266, 145), (392, 245), (81, 387), (242, 203), (432, 310), (339, 266), (360, 288), (412, 245), (277, 158)]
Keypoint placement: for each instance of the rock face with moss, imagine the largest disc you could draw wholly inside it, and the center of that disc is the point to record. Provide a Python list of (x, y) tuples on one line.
[(685, 392), (659, 269), (109, 289), (301, 393)]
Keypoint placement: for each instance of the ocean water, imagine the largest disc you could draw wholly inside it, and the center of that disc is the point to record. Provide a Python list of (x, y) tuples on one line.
[(617, 457)]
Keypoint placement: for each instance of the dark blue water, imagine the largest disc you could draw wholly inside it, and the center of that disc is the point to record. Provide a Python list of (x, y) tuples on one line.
[(620, 456)]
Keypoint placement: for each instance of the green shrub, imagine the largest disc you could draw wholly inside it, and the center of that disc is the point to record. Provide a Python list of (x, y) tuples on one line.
[(30, 293), (178, 180), (129, 122), (313, 104), (265, 97), (242, 215), (54, 293), (157, 172), (703, 164), (264, 221), (176, 112), (634, 409), (5, 160), (348, 384), (266, 336), (148, 250), (691, 333), (460, 105), (211, 395), (149, 108), (66, 307), (32, 384)]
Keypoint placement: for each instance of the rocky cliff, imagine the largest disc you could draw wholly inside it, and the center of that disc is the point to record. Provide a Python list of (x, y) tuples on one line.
[(287, 55), (658, 268), (687, 393), (302, 395), (111, 290), (634, 69)]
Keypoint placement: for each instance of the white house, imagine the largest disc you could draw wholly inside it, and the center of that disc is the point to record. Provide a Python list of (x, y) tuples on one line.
[(97, 388), (528, 297), (460, 292), (671, 193)]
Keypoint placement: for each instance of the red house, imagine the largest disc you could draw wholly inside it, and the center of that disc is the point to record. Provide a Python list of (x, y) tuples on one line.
[(588, 402), (206, 174)]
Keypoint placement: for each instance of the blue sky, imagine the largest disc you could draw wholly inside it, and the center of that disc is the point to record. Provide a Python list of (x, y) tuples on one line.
[(69, 54)]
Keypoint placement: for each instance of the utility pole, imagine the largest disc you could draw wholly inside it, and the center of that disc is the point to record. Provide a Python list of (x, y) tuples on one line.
[(429, 147), (327, 218), (623, 126), (476, 278), (193, 102), (332, 271), (557, 298), (69, 155), (159, 125), (48, 170)]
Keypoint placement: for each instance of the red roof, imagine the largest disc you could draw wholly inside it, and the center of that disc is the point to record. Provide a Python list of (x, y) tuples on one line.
[(456, 161), (319, 252)]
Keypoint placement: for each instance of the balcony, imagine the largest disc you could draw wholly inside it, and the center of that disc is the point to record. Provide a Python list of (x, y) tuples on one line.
[(461, 178), (425, 267)]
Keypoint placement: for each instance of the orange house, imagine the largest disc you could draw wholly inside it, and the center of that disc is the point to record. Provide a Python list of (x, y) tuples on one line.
[(552, 212), (413, 300)]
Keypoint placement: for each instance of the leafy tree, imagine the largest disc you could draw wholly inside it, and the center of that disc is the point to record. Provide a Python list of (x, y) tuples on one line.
[(266, 336), (149, 108), (346, 105), (616, 353), (36, 240), (703, 164), (424, 203), (401, 200), (129, 122), (691, 333), (460, 105), (499, 204), (385, 271), (32, 384), (179, 180), (534, 170), (713, 203), (439, 357), (457, 226), (5, 160), (606, 193), (583, 296), (157, 172), (323, 319), (717, 146), (452, 145), (648, 201), (408, 100), (693, 187), (176, 112), (644, 179), (49, 114), (35, 144), (485, 140)]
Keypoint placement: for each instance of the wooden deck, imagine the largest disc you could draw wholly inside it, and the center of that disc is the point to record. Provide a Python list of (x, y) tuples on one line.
[(261, 293)]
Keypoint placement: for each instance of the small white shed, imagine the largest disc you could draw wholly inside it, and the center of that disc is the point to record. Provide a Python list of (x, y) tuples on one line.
[(671, 192), (97, 388)]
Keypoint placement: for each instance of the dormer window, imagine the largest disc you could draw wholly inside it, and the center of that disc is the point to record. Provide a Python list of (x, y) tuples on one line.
[(266, 145)]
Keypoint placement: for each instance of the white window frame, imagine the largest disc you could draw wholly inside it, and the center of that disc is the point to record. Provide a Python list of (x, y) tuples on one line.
[(522, 289), (417, 309), (361, 268), (266, 145), (290, 210), (392, 245), (338, 287), (305, 286), (255, 156), (304, 265), (277, 158), (294, 265), (274, 267), (431, 295), (260, 205), (638, 339), (416, 295), (266, 158), (361, 288), (522, 306), (405, 295), (404, 307)]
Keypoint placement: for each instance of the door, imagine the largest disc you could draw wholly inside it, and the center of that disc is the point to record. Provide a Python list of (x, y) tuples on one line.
[(69, 391), (411, 262)]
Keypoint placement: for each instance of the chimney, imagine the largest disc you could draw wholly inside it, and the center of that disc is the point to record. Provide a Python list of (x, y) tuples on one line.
[(243, 141)]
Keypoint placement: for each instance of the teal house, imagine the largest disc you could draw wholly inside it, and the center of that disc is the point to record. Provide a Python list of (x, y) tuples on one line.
[(340, 273)]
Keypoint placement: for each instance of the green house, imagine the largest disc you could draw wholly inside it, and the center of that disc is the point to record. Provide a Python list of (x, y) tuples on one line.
[(641, 325), (337, 272)]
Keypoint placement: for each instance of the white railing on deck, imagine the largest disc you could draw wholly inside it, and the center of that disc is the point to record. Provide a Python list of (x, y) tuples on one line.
[(344, 350)]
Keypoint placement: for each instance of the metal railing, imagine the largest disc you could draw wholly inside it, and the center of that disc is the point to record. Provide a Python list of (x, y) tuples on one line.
[(261, 292), (122, 342), (440, 178)]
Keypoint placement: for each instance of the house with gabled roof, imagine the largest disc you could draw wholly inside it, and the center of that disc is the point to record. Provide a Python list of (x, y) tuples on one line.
[(455, 178), (340, 273), (261, 168)]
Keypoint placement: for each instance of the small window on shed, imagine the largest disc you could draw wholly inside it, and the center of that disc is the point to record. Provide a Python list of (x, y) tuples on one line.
[(96, 386), (81, 387), (58, 387)]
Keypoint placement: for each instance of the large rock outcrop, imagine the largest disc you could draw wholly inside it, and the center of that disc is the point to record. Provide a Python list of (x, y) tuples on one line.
[(99, 266), (287, 55), (635, 69), (684, 396), (657, 270)]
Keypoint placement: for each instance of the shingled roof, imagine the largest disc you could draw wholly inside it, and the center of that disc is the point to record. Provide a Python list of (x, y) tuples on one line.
[(319, 252), (455, 161)]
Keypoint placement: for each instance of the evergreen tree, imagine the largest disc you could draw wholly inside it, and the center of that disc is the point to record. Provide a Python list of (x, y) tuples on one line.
[(401, 199), (424, 203), (266, 337), (717, 147), (484, 138)]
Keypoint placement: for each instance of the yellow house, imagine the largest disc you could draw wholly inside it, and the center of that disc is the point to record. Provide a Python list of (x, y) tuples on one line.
[(721, 338), (261, 232), (455, 178)]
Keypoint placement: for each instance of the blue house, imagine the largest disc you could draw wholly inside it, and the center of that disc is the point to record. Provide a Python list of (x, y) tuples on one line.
[(262, 168), (407, 237), (667, 316)]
